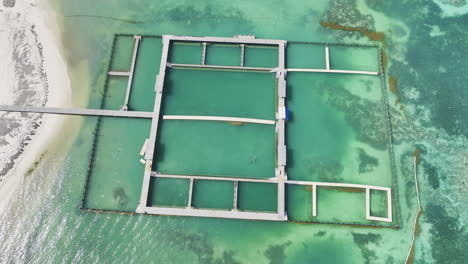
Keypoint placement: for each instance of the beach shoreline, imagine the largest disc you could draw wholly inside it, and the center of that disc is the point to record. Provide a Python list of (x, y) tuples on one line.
[(49, 86)]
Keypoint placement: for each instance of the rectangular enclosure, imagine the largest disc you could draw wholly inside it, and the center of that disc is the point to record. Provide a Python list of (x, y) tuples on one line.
[(215, 148), (212, 141), (188, 141)]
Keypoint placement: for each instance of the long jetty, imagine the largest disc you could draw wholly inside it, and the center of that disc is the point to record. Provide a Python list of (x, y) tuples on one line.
[(75, 111)]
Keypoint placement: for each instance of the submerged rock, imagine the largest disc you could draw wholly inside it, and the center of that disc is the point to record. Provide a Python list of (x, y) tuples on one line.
[(120, 197), (367, 163)]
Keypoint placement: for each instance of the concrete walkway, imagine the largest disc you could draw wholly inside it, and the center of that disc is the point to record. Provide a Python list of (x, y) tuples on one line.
[(220, 67), (220, 118), (332, 71), (75, 111)]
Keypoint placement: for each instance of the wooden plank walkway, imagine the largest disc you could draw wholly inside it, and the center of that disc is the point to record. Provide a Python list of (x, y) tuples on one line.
[(75, 111)]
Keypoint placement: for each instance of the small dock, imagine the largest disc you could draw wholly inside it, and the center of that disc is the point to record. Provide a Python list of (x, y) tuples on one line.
[(75, 111)]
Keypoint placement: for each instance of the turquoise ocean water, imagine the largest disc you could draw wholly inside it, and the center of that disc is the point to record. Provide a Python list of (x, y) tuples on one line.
[(337, 133)]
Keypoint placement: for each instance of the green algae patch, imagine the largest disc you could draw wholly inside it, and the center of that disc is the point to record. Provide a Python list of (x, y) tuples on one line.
[(365, 243), (276, 253), (339, 189), (36, 164), (417, 231), (416, 155), (372, 35), (392, 86), (235, 123), (367, 163)]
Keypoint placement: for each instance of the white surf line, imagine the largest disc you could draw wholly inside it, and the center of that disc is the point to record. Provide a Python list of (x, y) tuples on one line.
[(219, 118), (415, 165), (332, 71)]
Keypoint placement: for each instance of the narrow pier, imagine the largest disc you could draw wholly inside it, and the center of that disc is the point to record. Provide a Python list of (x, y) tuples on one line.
[(327, 58), (75, 111), (219, 118), (190, 195), (248, 215), (235, 40), (220, 67), (203, 60), (117, 73), (137, 40), (314, 200), (236, 192), (212, 178), (333, 71), (242, 56), (280, 171)]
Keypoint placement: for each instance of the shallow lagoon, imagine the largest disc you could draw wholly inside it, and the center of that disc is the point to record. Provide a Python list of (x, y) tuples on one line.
[(431, 120)]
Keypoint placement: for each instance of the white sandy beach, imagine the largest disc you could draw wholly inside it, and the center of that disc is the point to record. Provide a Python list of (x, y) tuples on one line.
[(33, 72)]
